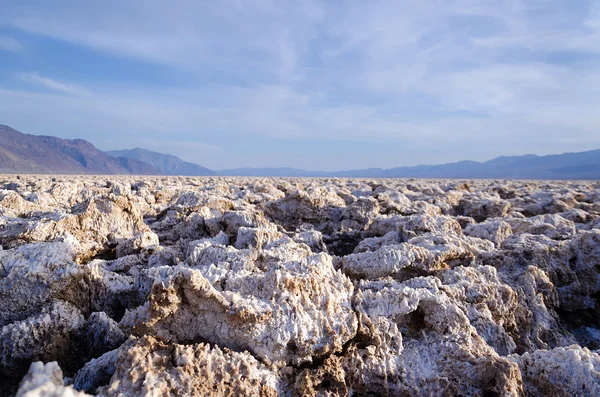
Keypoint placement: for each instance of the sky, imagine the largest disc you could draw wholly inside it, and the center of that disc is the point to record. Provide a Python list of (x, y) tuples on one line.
[(319, 85)]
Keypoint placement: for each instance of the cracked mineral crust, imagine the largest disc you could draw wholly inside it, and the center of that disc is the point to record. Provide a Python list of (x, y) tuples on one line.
[(183, 286)]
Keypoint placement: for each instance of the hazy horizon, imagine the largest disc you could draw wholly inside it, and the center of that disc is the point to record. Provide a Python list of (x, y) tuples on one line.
[(308, 85)]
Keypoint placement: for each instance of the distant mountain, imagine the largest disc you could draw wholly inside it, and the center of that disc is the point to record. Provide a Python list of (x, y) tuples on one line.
[(275, 172), (22, 153), (582, 165), (165, 163), (136, 167)]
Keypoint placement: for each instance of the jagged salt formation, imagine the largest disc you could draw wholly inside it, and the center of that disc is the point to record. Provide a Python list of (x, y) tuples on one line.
[(285, 287)]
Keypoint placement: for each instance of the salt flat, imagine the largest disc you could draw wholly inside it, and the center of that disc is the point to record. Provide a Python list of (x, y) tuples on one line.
[(115, 285)]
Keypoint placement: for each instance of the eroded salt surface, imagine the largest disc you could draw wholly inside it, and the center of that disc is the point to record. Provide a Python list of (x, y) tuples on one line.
[(122, 286)]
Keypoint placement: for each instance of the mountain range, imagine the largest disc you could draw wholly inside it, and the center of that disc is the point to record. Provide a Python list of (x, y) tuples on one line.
[(166, 164), (35, 154)]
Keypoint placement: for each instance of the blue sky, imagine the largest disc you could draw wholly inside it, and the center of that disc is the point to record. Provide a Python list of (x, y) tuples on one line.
[(311, 84)]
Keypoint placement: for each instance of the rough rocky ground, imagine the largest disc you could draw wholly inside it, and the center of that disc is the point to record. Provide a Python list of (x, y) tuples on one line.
[(123, 286)]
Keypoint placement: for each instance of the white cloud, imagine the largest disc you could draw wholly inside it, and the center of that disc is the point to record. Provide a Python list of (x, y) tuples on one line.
[(267, 36), (174, 121), (36, 79), (10, 44), (500, 76)]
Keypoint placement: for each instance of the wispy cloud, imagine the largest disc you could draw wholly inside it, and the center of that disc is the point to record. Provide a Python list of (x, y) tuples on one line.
[(10, 44), (497, 76), (269, 37), (36, 79)]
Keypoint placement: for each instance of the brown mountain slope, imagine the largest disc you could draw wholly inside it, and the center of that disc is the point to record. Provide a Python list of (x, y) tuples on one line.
[(50, 155)]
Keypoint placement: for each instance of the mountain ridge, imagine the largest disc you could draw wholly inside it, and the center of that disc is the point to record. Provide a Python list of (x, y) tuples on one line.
[(24, 153), (570, 165), (40, 154), (167, 164)]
